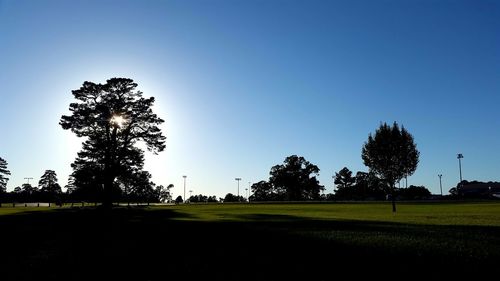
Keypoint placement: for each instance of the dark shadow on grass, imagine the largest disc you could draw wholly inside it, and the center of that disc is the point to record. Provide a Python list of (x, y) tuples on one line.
[(157, 244)]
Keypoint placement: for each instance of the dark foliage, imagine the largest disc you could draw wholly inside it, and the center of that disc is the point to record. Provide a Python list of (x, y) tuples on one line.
[(294, 180), (264, 191), (4, 172), (476, 190), (113, 117), (391, 154), (50, 190), (364, 186), (413, 193), (202, 199), (230, 198)]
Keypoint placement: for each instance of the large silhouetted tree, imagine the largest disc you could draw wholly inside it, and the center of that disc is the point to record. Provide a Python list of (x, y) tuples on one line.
[(296, 178), (3, 179), (48, 186), (113, 117), (391, 154)]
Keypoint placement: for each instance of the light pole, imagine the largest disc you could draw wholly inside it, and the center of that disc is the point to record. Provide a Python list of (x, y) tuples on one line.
[(440, 184), (184, 188), (246, 191), (460, 156), (249, 190), (28, 179), (238, 180), (190, 192)]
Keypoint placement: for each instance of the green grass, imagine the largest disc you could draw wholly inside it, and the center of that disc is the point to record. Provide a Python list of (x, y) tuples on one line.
[(486, 214), (21, 209), (458, 231), (314, 241)]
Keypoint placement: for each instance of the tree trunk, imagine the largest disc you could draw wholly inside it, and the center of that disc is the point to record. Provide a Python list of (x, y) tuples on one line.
[(393, 197), (107, 201)]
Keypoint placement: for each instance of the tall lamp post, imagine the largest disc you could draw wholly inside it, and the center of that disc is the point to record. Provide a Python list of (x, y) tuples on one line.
[(249, 190), (459, 157), (440, 184), (184, 188), (28, 179), (238, 180)]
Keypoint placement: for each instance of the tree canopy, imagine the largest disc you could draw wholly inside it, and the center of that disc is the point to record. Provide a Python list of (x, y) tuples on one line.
[(48, 186), (112, 117), (344, 178), (48, 182), (3, 173), (363, 186), (294, 180), (391, 154)]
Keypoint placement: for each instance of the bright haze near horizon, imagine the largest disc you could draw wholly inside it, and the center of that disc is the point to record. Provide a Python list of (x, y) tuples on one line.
[(244, 84)]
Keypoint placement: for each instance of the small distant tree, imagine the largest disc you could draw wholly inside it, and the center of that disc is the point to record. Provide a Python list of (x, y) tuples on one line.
[(49, 187), (29, 193), (212, 199), (414, 193), (198, 198), (162, 194), (178, 200), (296, 178), (391, 154), (3, 179), (233, 198), (344, 178), (344, 182)]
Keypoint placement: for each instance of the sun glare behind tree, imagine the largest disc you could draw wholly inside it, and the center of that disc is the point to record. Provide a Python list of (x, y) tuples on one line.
[(118, 120), (110, 156)]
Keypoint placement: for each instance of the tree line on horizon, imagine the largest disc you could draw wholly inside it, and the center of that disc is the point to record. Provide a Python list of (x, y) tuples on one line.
[(113, 117), (49, 190)]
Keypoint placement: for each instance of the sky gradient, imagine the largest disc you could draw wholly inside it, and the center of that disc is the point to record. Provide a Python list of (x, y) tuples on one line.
[(244, 84)]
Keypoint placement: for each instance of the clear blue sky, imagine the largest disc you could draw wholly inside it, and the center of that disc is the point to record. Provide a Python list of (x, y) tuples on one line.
[(243, 84)]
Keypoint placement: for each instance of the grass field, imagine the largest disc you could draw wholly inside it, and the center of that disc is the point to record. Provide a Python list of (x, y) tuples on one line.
[(252, 241)]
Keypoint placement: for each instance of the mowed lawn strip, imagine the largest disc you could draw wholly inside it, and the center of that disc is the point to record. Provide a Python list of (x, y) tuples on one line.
[(455, 231), (463, 214)]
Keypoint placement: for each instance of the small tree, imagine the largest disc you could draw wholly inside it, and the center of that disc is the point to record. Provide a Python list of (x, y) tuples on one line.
[(29, 193), (48, 186), (3, 179), (296, 178), (344, 179), (233, 198), (391, 154), (162, 193)]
